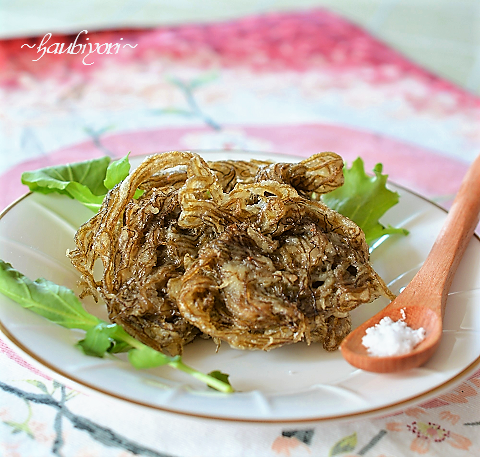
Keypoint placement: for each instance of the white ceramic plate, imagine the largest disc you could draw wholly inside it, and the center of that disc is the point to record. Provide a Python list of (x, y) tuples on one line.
[(292, 384)]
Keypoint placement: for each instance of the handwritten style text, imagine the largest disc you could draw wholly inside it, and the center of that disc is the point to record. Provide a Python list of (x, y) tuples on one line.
[(85, 49)]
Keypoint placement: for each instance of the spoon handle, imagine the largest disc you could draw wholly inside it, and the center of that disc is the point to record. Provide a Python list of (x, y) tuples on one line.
[(452, 241)]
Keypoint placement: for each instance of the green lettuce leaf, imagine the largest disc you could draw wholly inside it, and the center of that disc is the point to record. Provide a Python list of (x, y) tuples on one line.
[(117, 171), (89, 174), (224, 377), (61, 306), (98, 339), (365, 199), (84, 195), (57, 303), (146, 357), (87, 181)]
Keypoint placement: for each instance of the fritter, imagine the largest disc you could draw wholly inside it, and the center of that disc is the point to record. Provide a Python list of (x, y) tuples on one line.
[(233, 250)]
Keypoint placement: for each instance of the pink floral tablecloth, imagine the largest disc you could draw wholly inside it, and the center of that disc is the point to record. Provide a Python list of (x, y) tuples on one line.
[(295, 83)]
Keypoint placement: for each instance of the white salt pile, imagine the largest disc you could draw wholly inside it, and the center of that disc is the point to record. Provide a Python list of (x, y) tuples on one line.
[(390, 338)]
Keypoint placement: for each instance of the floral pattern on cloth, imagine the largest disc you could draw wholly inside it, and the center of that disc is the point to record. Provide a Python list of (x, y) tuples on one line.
[(300, 69), (59, 420), (448, 436), (425, 441), (289, 83)]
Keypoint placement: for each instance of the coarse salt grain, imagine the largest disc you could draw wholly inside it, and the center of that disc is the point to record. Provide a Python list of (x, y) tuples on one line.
[(390, 338)]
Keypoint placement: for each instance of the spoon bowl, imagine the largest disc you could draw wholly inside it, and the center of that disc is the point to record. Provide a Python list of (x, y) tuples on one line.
[(422, 303), (415, 317)]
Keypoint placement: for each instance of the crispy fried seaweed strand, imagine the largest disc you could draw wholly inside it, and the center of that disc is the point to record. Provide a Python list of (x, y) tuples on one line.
[(319, 174), (294, 275), (229, 293), (232, 250), (231, 172), (135, 242)]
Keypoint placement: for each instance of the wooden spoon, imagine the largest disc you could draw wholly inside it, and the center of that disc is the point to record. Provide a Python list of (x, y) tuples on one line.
[(424, 299)]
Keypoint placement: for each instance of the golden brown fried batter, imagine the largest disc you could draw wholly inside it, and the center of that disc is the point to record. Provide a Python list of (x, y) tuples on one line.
[(234, 250), (293, 276)]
